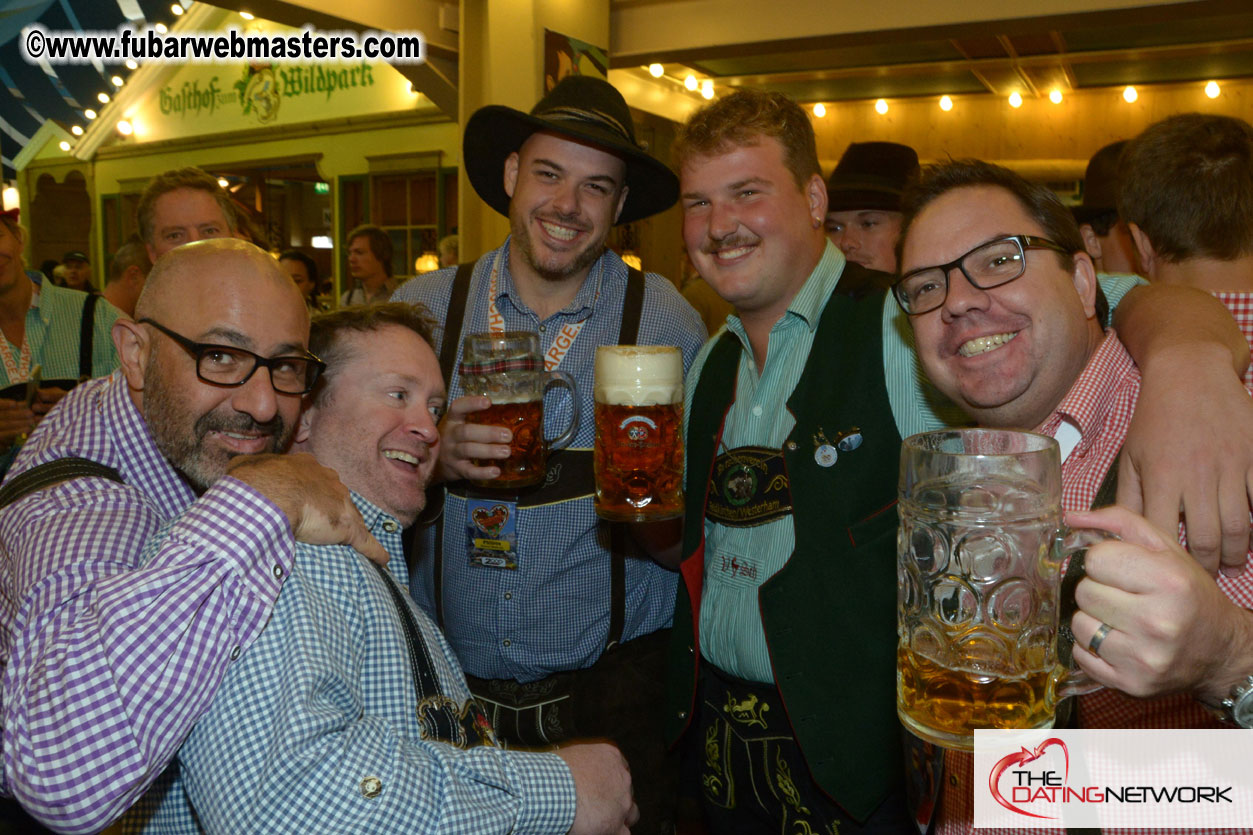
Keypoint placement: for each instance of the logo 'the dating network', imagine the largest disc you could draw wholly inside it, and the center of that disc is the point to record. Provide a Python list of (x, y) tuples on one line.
[(1087, 778)]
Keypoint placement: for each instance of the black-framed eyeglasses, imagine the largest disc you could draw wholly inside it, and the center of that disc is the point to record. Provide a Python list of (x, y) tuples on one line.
[(986, 266), (227, 365)]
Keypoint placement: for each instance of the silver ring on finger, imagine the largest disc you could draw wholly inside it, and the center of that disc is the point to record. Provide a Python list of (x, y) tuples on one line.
[(1098, 638)]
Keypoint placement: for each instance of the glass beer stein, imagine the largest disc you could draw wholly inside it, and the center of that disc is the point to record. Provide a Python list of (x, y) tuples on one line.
[(639, 433), (980, 553), (508, 369)]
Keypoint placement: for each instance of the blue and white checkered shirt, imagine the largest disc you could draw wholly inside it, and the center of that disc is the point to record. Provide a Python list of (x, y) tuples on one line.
[(316, 728), (552, 613)]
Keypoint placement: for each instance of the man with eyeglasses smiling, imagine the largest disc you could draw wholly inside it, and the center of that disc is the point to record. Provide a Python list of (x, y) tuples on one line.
[(1008, 328), (109, 664)]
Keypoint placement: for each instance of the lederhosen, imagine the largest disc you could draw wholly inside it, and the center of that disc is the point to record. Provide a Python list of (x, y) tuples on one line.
[(829, 615)]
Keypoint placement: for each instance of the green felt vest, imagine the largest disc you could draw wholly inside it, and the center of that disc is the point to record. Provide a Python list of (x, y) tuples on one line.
[(830, 613)]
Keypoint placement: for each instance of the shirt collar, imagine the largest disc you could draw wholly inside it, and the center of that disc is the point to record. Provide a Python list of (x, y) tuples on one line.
[(1089, 399), (385, 527), (584, 302), (811, 299)]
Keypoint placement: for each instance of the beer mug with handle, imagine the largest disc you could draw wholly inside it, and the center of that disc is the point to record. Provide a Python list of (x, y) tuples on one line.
[(638, 456), (980, 554), (507, 368)]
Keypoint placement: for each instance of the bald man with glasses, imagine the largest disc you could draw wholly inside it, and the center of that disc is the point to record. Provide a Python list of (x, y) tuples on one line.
[(109, 664)]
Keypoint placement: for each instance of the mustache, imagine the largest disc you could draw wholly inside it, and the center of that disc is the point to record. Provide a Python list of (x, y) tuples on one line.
[(575, 220), (712, 245), (241, 424)]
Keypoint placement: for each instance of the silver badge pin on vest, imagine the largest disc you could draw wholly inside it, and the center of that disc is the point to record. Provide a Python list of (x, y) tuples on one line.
[(827, 452)]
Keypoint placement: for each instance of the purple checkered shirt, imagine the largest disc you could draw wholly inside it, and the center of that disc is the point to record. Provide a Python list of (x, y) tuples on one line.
[(108, 665)]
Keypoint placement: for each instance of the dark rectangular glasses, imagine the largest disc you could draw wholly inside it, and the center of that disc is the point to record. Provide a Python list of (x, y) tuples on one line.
[(227, 365)]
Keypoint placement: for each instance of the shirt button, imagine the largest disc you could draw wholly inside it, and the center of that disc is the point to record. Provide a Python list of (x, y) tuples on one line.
[(509, 595), (371, 787), (278, 571), (791, 446), (952, 779), (234, 653), (541, 328), (390, 526), (507, 642), (756, 411)]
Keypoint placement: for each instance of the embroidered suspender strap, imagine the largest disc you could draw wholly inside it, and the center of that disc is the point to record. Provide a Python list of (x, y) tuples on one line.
[(436, 712), (86, 329), (54, 472)]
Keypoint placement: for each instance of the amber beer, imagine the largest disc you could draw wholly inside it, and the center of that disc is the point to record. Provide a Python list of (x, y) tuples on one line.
[(639, 433), (979, 557), (525, 464), (508, 370), (955, 702)]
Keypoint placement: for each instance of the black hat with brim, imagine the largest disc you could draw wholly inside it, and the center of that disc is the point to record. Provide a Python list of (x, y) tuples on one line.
[(581, 107), (871, 175)]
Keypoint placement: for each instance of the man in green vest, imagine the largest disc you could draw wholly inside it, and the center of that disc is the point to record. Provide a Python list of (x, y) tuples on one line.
[(782, 671)]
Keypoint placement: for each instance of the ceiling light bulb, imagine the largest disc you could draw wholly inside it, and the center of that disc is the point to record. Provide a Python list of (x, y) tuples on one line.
[(1212, 89), (90, 114), (125, 128), (132, 64), (223, 182), (707, 89), (1129, 94), (881, 106), (1015, 99), (117, 81), (247, 15), (177, 8), (946, 103), (1055, 96), (77, 130), (656, 70), (103, 98), (690, 83), (161, 28), (820, 110), (65, 146)]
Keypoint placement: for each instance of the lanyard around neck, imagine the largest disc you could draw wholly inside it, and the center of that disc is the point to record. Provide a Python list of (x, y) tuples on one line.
[(562, 342)]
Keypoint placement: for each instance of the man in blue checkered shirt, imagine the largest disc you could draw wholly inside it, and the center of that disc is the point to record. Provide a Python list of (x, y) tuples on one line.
[(351, 710), (563, 634)]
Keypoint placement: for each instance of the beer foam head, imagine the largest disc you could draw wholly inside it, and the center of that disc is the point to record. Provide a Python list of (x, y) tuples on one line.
[(639, 375)]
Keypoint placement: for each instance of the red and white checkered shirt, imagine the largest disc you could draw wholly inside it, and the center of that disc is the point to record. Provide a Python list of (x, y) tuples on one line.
[(1100, 405)]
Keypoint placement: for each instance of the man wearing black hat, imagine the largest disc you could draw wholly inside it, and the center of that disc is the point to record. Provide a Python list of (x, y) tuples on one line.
[(864, 201), (567, 641), (1105, 235), (78, 271)]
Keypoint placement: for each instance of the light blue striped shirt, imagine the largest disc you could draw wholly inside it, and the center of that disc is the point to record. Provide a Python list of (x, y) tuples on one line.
[(52, 329)]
